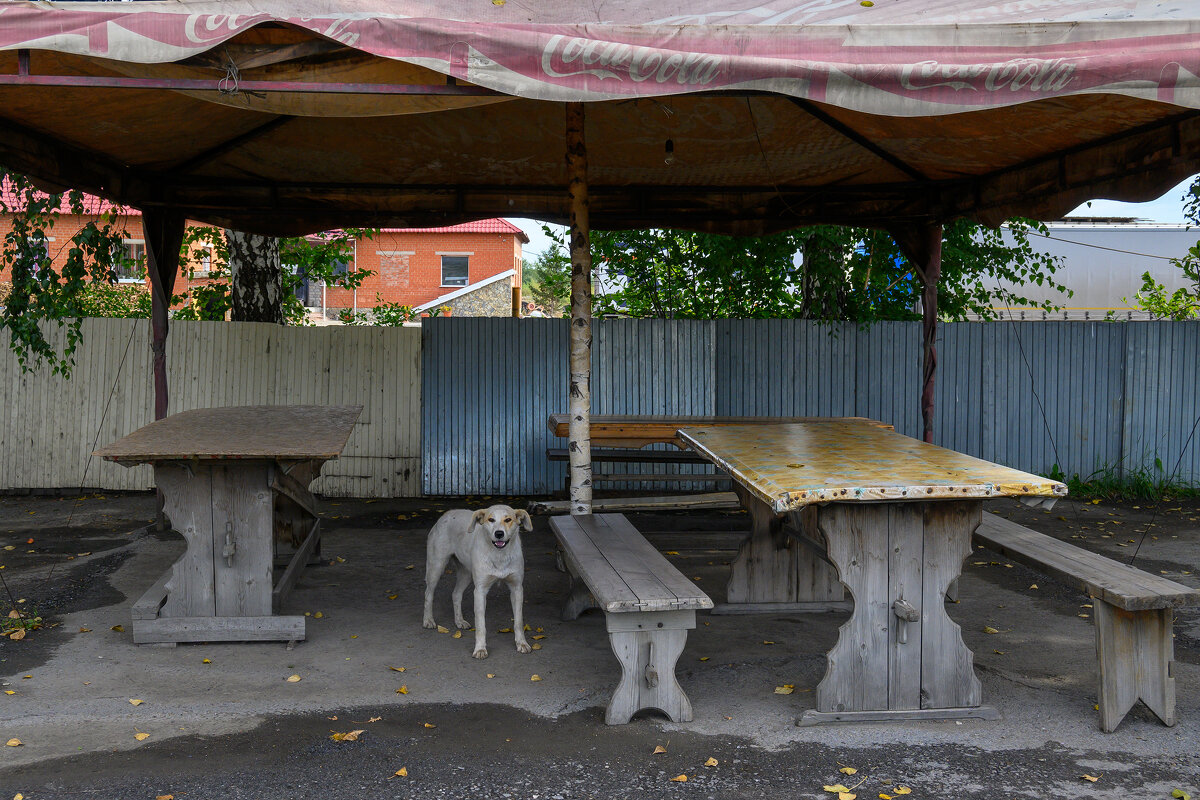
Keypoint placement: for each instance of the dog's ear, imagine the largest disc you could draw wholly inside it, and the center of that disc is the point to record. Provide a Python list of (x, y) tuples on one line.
[(524, 519), (478, 517)]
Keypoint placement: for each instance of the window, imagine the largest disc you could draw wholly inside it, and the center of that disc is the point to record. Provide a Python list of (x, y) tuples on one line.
[(131, 261), (204, 259), (41, 246), (454, 270)]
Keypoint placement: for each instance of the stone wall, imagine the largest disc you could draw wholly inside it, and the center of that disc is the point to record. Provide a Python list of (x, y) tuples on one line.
[(493, 300)]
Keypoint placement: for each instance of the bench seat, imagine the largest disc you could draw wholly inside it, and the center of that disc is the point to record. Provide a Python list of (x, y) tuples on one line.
[(1134, 640), (649, 606)]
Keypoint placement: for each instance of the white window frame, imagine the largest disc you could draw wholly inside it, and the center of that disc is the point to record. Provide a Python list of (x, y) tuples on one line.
[(443, 254), (125, 243)]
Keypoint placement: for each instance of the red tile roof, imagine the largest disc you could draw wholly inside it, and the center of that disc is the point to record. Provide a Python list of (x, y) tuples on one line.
[(478, 226), (13, 201)]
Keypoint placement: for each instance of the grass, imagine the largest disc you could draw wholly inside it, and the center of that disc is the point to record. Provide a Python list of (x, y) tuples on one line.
[(1112, 483)]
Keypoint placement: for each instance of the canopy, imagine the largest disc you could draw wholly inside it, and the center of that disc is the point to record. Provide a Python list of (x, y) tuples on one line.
[(744, 116)]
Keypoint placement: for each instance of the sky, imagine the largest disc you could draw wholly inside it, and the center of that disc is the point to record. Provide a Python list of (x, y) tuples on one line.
[(1168, 208)]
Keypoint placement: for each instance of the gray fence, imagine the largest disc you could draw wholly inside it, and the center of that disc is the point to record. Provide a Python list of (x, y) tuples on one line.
[(1087, 396)]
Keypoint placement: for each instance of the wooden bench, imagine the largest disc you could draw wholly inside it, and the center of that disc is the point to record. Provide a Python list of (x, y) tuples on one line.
[(648, 605), (1133, 612)]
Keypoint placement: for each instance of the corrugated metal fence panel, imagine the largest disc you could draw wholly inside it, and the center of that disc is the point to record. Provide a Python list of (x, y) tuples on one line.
[(1161, 389), (211, 364), (490, 384)]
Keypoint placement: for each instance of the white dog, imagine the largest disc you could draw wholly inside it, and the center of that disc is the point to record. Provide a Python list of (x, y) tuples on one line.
[(487, 545)]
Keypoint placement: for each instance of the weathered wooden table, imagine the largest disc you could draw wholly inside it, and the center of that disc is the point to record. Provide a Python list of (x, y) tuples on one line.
[(233, 480), (890, 519), (639, 430)]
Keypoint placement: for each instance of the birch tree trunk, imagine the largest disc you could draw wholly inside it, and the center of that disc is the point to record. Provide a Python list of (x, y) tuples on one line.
[(580, 400), (256, 277)]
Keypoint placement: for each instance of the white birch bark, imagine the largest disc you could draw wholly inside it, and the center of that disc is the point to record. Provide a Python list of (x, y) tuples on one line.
[(579, 405), (256, 277)]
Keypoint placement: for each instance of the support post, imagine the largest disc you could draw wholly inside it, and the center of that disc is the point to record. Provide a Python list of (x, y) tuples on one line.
[(922, 245), (164, 236), (579, 444)]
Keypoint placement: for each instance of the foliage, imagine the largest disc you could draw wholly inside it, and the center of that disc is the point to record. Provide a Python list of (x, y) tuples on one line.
[(121, 300), (548, 279), (16, 624), (821, 272), (1183, 303), (323, 257), (1113, 483), (41, 293), (386, 314)]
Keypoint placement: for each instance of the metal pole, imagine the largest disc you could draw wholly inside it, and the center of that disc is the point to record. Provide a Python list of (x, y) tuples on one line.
[(580, 401)]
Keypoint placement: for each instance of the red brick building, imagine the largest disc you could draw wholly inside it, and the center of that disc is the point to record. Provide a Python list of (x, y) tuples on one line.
[(472, 268)]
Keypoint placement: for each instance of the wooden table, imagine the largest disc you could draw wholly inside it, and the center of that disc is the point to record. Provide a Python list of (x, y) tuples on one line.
[(639, 430), (890, 519), (234, 480)]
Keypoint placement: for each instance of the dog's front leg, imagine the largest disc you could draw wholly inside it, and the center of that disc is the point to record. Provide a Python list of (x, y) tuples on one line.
[(482, 584), (516, 593)]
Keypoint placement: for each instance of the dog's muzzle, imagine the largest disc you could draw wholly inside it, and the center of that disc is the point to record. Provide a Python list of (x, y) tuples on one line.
[(500, 542)]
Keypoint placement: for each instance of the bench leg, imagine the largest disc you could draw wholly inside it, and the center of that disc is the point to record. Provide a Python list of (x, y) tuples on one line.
[(1137, 661), (579, 599), (648, 645)]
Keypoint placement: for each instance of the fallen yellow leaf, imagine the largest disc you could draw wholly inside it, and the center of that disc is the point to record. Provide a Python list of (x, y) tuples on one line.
[(401, 773), (397, 669), (835, 788), (847, 770), (442, 629), (13, 743), (711, 762), (785, 689), (85, 630), (205, 661), (658, 748), (430, 725), (348, 736), (457, 634), (136, 702), (17, 635), (402, 690), (293, 678), (392, 596), (1033, 586), (118, 628), (902, 790), (883, 796), (318, 615), (375, 719), (990, 629), (410, 566), (847, 796), (164, 797), (705, 658), (341, 560), (535, 677), (141, 736), (9, 691), (506, 630), (679, 779), (1092, 778), (535, 646), (768, 641), (535, 638), (491, 674)]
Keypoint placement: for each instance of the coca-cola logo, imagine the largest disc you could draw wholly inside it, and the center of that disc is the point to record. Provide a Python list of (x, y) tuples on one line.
[(204, 28), (566, 57), (1017, 75)]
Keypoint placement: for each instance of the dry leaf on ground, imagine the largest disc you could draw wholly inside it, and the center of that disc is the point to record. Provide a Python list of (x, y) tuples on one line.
[(836, 788), (348, 736), (430, 725), (679, 779), (902, 790), (293, 679), (402, 690), (658, 748), (535, 677), (136, 702), (397, 669), (13, 743), (141, 737), (711, 762), (787, 688), (848, 770), (401, 773), (1092, 778)]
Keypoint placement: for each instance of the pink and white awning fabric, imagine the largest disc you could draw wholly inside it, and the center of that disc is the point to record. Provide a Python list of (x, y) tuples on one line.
[(889, 57)]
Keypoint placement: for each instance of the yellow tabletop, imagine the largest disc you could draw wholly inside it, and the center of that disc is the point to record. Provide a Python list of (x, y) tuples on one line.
[(794, 465)]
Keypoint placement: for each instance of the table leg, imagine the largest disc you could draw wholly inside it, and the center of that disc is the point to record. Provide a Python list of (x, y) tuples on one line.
[(899, 655), (770, 567)]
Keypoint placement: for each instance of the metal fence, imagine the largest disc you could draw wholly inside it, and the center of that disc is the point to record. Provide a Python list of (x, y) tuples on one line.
[(460, 407), (52, 424), (1087, 396)]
